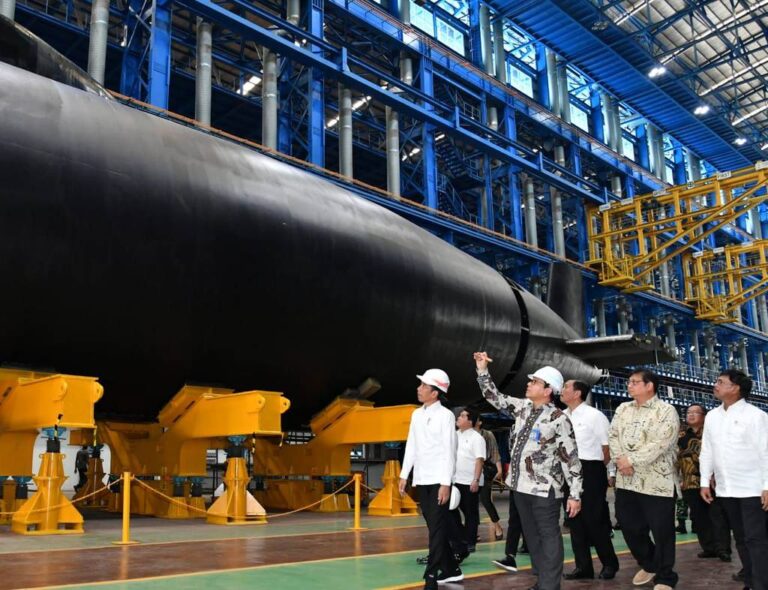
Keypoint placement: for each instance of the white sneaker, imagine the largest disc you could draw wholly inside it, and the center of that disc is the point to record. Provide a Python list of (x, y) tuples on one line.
[(643, 577)]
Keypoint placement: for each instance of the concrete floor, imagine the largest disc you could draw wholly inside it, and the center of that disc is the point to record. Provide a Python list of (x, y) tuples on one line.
[(307, 551)]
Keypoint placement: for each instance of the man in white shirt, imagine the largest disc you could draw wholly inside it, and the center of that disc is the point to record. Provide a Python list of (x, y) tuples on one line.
[(734, 459), (592, 526), (470, 456), (430, 452)]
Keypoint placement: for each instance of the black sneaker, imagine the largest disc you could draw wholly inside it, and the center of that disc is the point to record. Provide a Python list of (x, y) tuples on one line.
[(508, 563), (446, 578), (423, 560)]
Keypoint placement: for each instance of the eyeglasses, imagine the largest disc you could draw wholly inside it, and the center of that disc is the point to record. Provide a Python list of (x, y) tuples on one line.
[(544, 384), (635, 381), (692, 412)]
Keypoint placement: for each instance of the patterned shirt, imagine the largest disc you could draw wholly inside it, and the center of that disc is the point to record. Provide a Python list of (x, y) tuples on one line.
[(689, 449), (544, 457), (647, 436)]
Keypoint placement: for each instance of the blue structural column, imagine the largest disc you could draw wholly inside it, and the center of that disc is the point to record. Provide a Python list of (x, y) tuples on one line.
[(130, 73), (475, 42), (513, 196), (316, 92), (643, 157), (428, 155), (542, 79), (284, 114), (159, 68), (680, 176), (596, 114)]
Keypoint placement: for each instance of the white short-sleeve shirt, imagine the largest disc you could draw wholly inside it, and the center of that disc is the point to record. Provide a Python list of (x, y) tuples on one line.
[(471, 446), (590, 426)]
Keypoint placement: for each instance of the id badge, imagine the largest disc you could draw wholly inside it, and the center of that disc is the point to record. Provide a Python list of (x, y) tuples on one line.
[(535, 434)]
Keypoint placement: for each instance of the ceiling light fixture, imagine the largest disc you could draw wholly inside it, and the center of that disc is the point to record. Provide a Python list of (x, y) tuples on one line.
[(740, 141), (657, 71), (701, 110)]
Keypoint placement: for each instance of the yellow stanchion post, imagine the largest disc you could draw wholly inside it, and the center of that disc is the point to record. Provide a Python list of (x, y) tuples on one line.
[(357, 478), (126, 538)]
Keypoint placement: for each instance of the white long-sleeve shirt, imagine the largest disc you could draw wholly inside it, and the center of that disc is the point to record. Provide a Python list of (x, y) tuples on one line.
[(735, 449), (431, 446)]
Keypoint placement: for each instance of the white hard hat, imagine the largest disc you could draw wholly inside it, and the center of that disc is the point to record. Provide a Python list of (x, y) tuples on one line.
[(550, 376), (455, 498), (437, 378)]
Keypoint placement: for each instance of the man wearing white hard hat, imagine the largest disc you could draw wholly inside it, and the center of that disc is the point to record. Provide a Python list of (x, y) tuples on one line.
[(430, 452), (544, 458)]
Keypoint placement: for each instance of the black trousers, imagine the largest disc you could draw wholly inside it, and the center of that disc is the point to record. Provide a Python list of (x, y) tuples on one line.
[(466, 532), (592, 526), (643, 515), (83, 478), (514, 527), (750, 529), (701, 523), (485, 498), (721, 526), (439, 523), (541, 524)]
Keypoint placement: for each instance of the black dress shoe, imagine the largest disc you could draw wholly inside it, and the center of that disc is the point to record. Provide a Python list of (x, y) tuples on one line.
[(579, 574), (725, 557), (707, 554), (607, 573)]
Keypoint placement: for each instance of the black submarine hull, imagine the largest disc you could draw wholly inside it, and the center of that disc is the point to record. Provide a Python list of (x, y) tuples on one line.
[(150, 254)]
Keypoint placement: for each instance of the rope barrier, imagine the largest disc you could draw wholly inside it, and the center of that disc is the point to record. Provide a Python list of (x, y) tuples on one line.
[(275, 515), (62, 505)]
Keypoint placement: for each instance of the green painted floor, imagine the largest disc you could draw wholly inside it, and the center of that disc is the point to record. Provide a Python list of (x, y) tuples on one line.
[(370, 572)]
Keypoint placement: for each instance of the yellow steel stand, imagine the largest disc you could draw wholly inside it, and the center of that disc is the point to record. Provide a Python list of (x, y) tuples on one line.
[(48, 512), (236, 505), (126, 536), (195, 420), (31, 401), (342, 425), (389, 502), (10, 502)]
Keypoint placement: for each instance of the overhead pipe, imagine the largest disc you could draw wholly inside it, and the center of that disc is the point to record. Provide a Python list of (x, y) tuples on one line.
[(616, 185), (554, 95), (293, 11), (405, 11), (671, 341), (345, 132), (600, 317), (558, 231), (486, 48), (8, 8), (498, 49), (743, 360), (203, 75), (97, 41), (695, 351), (269, 99), (531, 231), (393, 151), (562, 90)]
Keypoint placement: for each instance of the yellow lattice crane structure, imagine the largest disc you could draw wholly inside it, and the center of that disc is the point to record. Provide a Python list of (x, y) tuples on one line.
[(719, 281), (631, 238)]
